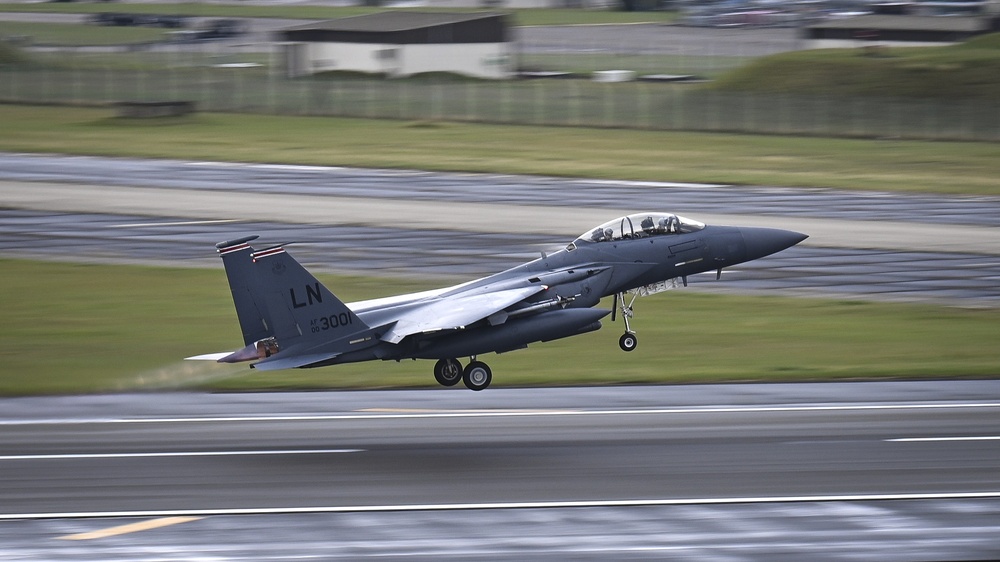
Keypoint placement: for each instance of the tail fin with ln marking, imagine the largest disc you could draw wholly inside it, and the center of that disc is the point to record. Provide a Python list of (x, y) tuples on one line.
[(288, 318), (300, 308)]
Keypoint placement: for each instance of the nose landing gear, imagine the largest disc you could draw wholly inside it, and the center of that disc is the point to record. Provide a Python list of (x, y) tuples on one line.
[(628, 341)]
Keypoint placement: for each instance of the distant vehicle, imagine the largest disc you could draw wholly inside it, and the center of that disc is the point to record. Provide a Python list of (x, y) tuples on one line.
[(222, 28), (290, 320), (172, 22), (212, 29), (120, 19)]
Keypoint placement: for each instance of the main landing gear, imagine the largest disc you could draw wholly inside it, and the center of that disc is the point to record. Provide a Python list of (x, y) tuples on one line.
[(628, 341), (476, 375)]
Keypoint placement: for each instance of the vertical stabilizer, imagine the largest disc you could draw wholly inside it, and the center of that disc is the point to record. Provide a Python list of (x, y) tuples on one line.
[(237, 257), (299, 307)]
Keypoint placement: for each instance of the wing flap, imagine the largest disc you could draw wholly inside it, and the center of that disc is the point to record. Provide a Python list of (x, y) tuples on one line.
[(456, 312)]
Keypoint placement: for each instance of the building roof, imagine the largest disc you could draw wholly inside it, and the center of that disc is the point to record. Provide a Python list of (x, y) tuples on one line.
[(395, 21), (404, 28)]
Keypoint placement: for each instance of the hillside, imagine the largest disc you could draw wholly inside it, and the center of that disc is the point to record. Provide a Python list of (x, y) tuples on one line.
[(969, 70)]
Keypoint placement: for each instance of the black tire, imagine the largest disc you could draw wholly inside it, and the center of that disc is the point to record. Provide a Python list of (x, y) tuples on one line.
[(448, 372), (477, 376), (628, 341)]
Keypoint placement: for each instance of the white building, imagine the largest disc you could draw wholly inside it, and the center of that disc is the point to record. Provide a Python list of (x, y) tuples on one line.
[(402, 44)]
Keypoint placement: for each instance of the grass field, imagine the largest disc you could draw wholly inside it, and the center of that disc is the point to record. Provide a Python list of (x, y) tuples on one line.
[(70, 328), (917, 166), (969, 70), (69, 34)]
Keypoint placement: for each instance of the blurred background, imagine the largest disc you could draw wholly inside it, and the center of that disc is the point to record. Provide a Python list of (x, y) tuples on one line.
[(136, 135), (757, 66)]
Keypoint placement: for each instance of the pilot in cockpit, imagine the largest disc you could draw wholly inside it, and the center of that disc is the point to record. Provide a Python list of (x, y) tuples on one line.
[(669, 224), (647, 225), (602, 235)]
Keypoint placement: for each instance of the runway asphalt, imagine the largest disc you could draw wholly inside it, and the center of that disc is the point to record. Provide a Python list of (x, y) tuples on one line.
[(460, 226), (849, 471), (894, 471)]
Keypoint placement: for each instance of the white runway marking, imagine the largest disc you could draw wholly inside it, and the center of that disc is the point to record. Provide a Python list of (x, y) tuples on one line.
[(628, 183), (175, 223), (390, 414), (934, 439), (504, 505), (297, 168), (176, 454), (283, 167)]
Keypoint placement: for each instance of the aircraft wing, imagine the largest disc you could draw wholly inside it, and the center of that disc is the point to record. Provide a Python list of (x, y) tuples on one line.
[(451, 313)]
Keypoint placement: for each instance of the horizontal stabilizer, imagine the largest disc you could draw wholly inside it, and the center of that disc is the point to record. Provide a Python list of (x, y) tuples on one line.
[(209, 356), (275, 363)]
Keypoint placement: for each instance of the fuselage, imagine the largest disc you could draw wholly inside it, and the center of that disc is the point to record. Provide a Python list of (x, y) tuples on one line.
[(289, 319), (578, 276)]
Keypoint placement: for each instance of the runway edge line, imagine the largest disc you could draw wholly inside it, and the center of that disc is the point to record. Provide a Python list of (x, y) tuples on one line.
[(501, 505)]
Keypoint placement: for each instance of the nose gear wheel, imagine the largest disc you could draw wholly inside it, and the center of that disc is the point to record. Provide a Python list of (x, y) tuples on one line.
[(628, 341)]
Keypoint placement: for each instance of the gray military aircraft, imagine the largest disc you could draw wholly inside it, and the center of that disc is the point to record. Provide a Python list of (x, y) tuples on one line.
[(290, 320)]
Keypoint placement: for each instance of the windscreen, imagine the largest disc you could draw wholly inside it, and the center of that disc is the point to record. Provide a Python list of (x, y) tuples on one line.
[(640, 225)]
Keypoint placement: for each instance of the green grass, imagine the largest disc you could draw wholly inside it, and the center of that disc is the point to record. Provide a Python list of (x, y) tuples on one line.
[(84, 35), (70, 328), (968, 70), (521, 16), (12, 55), (918, 166)]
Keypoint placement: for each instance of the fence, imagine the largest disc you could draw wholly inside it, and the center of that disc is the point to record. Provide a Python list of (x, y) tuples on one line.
[(255, 85)]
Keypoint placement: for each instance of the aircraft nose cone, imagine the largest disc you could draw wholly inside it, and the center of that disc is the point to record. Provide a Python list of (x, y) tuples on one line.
[(762, 242)]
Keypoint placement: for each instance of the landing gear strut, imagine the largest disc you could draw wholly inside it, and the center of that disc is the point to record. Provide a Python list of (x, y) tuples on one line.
[(628, 341), (476, 376)]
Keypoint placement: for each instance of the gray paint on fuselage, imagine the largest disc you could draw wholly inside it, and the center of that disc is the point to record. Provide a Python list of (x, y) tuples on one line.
[(545, 299)]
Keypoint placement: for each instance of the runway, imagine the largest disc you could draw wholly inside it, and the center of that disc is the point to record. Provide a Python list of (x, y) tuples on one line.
[(845, 471), (900, 247), (700, 472)]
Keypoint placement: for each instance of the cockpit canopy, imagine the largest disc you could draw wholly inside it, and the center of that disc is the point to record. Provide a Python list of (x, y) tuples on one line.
[(639, 225)]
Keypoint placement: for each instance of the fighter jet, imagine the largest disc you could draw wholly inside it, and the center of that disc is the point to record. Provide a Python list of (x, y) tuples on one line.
[(291, 320)]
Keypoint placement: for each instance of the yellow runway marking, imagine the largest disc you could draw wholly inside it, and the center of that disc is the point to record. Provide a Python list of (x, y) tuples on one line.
[(130, 528)]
